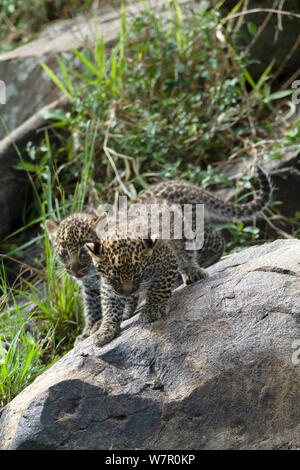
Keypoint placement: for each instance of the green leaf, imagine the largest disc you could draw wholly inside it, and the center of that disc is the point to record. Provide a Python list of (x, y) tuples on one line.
[(252, 28), (253, 230), (56, 114), (113, 68), (235, 8), (244, 69), (248, 77), (101, 55), (192, 129), (277, 95), (263, 77)]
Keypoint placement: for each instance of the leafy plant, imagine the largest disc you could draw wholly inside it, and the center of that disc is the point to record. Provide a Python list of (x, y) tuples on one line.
[(169, 96)]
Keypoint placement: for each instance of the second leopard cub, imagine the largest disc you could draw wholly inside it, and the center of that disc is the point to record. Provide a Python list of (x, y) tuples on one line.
[(68, 238)]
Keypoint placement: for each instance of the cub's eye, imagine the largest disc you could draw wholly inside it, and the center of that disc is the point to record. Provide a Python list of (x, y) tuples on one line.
[(113, 274), (83, 251), (64, 253), (99, 267)]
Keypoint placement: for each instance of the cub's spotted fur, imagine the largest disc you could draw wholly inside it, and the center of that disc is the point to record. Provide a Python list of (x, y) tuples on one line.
[(129, 268)]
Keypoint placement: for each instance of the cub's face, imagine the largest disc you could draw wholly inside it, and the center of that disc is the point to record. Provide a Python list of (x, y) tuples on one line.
[(122, 262), (68, 239)]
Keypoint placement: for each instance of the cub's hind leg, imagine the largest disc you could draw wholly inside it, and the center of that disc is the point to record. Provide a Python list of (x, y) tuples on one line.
[(188, 264), (92, 312), (212, 249)]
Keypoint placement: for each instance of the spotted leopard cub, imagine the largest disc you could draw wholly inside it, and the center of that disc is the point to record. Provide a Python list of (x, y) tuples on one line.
[(131, 267), (68, 238)]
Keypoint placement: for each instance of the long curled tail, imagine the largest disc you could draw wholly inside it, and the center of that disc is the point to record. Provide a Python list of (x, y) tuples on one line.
[(180, 192), (247, 211)]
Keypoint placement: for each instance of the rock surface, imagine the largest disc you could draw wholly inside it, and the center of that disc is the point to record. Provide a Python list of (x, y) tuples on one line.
[(221, 371)]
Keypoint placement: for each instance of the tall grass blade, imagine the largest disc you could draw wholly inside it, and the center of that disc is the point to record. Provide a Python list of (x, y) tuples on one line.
[(64, 72), (87, 63), (55, 79)]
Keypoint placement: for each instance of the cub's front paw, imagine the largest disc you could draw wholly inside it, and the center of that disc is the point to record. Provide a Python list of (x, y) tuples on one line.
[(129, 308), (96, 326), (194, 275), (85, 334), (128, 313), (105, 335), (150, 313)]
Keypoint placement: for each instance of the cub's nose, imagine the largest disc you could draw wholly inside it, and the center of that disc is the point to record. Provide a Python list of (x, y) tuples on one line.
[(76, 269), (127, 288)]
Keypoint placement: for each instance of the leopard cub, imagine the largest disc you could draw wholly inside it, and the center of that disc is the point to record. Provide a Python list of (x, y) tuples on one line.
[(129, 268), (68, 238)]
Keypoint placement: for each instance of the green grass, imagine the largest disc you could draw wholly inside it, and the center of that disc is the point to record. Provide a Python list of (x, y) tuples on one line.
[(168, 101), (57, 317), (38, 339), (20, 361), (55, 323)]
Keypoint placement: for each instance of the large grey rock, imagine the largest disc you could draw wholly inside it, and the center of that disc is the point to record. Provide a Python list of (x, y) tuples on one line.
[(219, 372)]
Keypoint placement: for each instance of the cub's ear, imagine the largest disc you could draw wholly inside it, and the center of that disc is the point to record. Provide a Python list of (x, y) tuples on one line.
[(52, 229), (96, 221), (94, 248), (150, 243)]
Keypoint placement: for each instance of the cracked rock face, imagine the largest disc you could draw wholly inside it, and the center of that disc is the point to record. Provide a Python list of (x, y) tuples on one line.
[(221, 371)]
